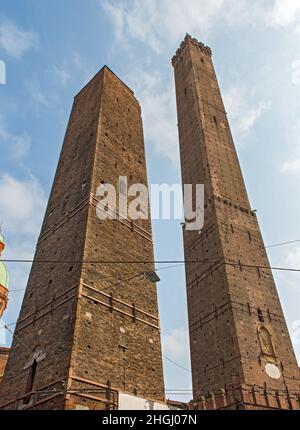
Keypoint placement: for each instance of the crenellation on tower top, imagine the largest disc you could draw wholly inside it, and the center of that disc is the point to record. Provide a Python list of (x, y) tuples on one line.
[(193, 41)]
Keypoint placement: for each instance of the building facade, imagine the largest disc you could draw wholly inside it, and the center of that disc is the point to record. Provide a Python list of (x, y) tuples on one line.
[(3, 280), (4, 352), (241, 352), (89, 324), (3, 305)]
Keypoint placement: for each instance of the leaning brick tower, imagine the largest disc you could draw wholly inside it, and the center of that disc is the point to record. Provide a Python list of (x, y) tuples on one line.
[(241, 352), (89, 324)]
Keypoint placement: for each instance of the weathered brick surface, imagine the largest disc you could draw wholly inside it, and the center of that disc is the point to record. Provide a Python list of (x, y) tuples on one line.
[(3, 299), (3, 360), (223, 299), (89, 339)]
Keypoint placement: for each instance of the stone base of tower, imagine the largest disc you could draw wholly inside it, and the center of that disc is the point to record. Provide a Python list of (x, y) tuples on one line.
[(80, 401), (82, 394), (247, 398)]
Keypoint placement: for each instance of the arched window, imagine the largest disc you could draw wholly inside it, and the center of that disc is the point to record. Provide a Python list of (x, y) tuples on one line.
[(266, 344)]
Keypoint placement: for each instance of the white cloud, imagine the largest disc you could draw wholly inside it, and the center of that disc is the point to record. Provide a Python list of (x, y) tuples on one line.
[(75, 67), (157, 22), (159, 112), (296, 72), (297, 29), (291, 166), (242, 114), (176, 344), (14, 40), (292, 259), (37, 95), (18, 146), (62, 74), (283, 13), (22, 204), (83, 68), (45, 89), (116, 13), (295, 333), (21, 212), (162, 23)]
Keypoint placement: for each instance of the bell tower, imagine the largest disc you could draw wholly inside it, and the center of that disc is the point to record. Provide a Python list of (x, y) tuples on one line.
[(241, 351)]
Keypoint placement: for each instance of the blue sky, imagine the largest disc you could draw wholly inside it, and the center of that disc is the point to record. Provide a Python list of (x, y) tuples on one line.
[(51, 49)]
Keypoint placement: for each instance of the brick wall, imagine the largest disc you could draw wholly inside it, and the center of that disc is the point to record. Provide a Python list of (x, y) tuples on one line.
[(3, 360)]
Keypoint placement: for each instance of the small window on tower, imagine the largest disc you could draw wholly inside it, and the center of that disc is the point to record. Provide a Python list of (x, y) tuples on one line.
[(260, 315), (185, 91)]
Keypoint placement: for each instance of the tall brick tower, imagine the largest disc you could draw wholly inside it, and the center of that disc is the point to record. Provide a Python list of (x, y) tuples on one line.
[(89, 325), (241, 352)]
